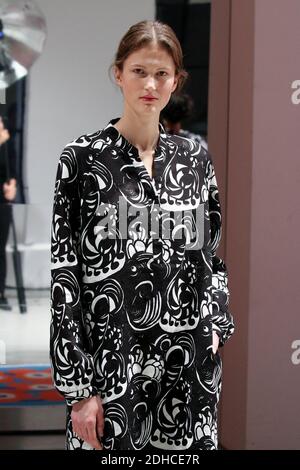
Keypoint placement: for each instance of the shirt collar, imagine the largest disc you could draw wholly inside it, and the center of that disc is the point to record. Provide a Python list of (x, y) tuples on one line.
[(120, 141)]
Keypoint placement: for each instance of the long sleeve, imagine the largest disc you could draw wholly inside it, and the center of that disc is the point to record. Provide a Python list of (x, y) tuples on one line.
[(72, 365), (12, 159), (222, 320), (8, 161)]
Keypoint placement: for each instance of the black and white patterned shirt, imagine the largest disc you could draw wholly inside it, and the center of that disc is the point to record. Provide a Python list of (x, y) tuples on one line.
[(137, 290)]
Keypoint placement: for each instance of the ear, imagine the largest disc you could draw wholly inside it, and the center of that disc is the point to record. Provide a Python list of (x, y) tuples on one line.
[(175, 83), (117, 74)]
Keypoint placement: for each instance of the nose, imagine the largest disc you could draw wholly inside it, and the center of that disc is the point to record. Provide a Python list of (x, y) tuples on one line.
[(150, 83)]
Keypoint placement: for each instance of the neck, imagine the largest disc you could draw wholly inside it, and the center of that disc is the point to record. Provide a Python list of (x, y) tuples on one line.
[(140, 131)]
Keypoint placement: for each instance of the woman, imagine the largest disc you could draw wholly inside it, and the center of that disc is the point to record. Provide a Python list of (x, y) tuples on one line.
[(137, 316)]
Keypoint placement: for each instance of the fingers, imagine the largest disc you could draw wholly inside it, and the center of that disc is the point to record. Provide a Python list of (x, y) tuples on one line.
[(4, 135), (80, 433), (88, 433), (100, 423), (92, 436), (88, 421), (216, 340)]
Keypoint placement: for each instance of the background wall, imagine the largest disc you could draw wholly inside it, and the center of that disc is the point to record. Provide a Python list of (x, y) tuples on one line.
[(260, 167), (69, 90), (69, 93)]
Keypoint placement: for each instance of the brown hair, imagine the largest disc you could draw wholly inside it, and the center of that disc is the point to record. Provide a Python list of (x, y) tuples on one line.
[(146, 32)]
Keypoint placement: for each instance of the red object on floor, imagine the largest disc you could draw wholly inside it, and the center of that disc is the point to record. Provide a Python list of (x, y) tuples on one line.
[(28, 385)]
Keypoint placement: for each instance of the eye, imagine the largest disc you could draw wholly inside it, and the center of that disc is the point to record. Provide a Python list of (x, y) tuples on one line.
[(162, 73), (138, 71)]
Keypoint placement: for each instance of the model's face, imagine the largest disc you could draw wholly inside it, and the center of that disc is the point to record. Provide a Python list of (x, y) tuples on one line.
[(149, 71)]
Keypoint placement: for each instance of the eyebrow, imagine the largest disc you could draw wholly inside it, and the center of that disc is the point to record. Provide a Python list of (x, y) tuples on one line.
[(139, 65)]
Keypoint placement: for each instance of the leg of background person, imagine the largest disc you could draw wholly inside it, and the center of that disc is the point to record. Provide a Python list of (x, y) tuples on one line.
[(5, 219)]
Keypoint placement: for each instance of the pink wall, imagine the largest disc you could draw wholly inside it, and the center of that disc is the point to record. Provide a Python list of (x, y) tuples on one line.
[(273, 381), (253, 137)]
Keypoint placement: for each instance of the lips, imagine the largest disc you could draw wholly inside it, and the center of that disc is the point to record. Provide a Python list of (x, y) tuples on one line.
[(148, 98)]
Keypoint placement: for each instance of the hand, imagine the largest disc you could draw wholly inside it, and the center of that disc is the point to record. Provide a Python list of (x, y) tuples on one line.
[(10, 189), (216, 341), (88, 420), (4, 135)]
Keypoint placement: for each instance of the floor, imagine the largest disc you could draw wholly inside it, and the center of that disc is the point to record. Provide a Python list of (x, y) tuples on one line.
[(24, 339), (33, 441)]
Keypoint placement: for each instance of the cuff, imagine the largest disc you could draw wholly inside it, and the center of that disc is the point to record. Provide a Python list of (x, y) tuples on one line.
[(74, 397)]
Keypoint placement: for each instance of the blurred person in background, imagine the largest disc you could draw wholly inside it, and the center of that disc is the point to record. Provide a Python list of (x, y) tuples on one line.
[(8, 191), (180, 107)]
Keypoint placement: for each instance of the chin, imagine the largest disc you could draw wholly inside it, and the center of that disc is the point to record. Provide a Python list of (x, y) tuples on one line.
[(149, 110)]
